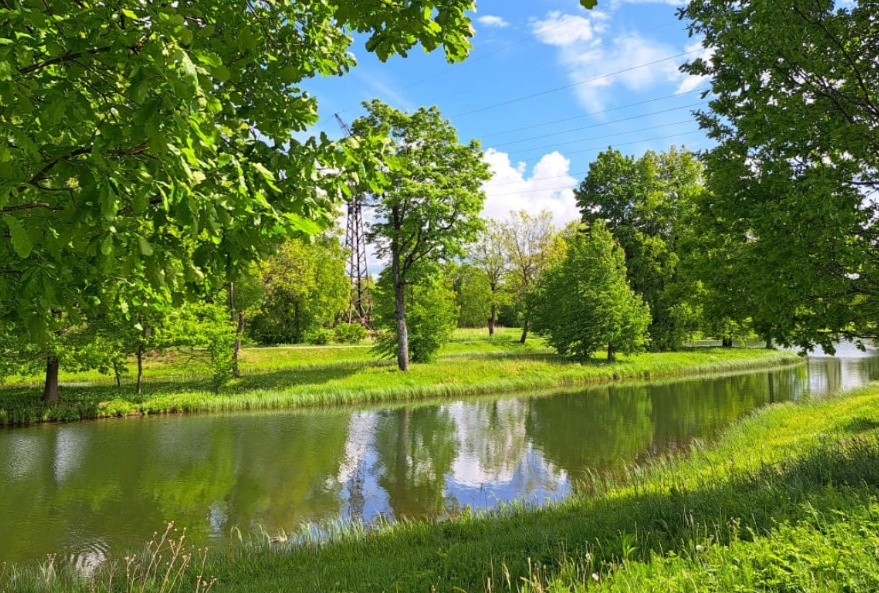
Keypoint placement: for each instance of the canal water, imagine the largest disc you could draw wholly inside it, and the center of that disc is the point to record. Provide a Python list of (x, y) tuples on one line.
[(92, 490)]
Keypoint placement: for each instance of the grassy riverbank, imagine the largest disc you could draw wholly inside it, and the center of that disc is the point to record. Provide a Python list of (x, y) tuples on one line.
[(276, 378), (785, 501)]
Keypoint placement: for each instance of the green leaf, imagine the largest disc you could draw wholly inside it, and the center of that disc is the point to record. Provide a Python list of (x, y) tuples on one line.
[(302, 224), (145, 247), (21, 242)]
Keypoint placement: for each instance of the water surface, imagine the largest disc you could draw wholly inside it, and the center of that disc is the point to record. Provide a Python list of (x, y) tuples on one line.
[(91, 490)]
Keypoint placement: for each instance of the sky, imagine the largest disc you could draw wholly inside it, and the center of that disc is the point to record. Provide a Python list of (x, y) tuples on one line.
[(547, 86)]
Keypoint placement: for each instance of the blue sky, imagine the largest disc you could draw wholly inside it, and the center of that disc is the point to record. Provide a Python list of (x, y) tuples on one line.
[(547, 86)]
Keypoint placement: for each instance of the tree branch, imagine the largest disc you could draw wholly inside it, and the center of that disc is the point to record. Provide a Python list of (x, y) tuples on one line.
[(67, 57), (31, 206)]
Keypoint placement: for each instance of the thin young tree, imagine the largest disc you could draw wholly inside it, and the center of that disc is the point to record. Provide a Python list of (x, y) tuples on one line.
[(530, 242), (489, 256)]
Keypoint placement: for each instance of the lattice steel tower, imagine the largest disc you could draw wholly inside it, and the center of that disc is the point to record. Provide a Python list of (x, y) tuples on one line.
[(360, 304)]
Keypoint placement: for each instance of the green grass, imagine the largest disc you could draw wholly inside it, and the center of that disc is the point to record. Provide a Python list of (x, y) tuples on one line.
[(785, 501), (300, 376)]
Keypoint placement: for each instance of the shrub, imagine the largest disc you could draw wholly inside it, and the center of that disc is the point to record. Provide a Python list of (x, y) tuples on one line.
[(350, 333)]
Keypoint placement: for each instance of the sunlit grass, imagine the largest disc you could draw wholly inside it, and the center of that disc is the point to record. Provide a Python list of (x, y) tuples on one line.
[(289, 377)]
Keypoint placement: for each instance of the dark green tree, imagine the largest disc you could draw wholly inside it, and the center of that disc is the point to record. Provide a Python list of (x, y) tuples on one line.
[(647, 204), (584, 303), (793, 178), (431, 206)]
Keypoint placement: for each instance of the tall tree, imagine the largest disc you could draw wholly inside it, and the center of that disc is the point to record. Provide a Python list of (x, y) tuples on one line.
[(584, 302), (432, 203), (531, 243), (647, 205), (155, 139), (472, 294), (304, 288), (431, 316), (793, 178), (488, 255)]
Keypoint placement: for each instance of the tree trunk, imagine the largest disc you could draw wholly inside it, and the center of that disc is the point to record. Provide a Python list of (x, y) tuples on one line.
[(769, 345), (492, 320), (50, 389), (524, 331), (118, 375), (239, 331), (139, 387), (727, 343), (236, 348), (400, 311), (611, 355)]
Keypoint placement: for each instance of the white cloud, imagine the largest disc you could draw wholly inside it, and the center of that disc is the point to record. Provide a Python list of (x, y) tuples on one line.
[(692, 81), (549, 187), (596, 62), (563, 30), (493, 21)]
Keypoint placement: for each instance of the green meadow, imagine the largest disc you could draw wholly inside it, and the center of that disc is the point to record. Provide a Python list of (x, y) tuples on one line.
[(301, 376)]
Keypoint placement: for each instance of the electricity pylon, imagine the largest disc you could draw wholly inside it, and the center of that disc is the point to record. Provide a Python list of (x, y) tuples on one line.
[(360, 303)]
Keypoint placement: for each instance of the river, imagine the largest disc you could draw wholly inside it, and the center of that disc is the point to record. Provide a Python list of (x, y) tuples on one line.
[(91, 490)]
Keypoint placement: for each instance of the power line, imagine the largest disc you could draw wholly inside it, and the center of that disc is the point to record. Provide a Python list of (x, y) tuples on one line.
[(573, 84), (470, 60), (656, 127), (590, 114), (598, 125)]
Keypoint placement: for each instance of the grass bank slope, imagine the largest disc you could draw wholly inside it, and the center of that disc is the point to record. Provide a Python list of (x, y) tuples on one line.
[(276, 378), (786, 501)]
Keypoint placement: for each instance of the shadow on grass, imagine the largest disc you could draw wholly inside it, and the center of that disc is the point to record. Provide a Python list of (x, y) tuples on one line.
[(452, 555), (22, 405)]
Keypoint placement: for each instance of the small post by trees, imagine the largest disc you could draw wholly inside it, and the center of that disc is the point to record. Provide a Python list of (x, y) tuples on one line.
[(431, 205)]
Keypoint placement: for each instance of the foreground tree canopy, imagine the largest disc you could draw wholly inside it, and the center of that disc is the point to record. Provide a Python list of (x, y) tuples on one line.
[(153, 140), (792, 205)]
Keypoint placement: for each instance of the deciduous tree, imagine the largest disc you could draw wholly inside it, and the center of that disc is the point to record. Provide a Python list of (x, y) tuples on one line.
[(793, 179), (305, 288), (432, 203), (647, 205), (155, 139), (431, 316), (530, 242), (584, 303), (488, 255)]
